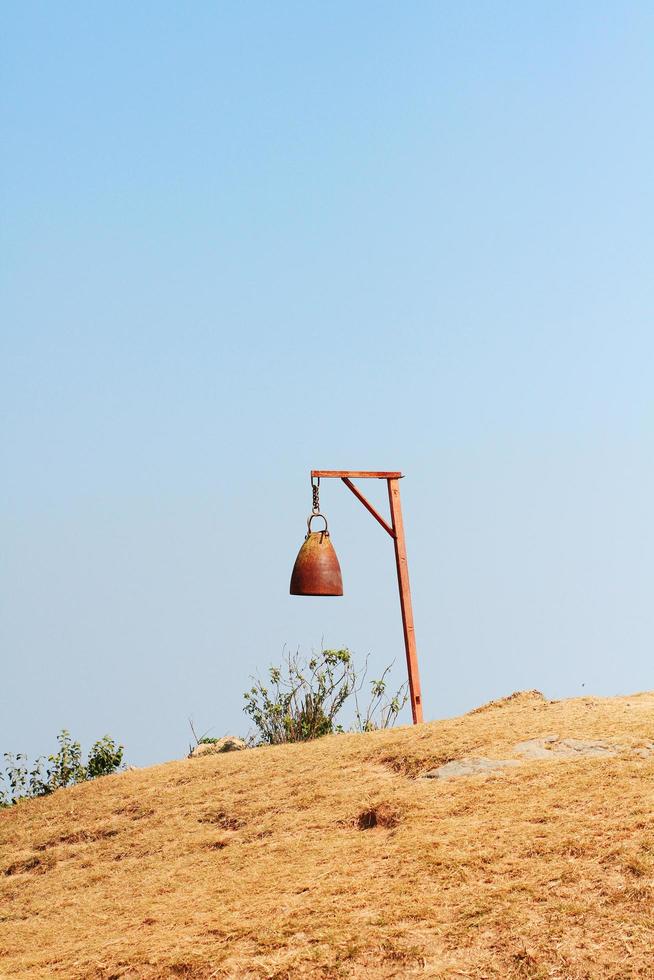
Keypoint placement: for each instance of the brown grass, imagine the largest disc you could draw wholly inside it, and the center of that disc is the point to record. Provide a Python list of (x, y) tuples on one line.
[(331, 860)]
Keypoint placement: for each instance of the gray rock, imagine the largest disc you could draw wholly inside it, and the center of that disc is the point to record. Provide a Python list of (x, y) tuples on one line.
[(470, 767), (565, 748), (547, 747)]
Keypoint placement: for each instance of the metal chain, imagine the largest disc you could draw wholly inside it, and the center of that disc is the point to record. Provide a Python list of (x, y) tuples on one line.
[(315, 490)]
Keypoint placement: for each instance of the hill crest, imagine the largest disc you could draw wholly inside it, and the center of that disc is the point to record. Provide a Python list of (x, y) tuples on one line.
[(335, 859)]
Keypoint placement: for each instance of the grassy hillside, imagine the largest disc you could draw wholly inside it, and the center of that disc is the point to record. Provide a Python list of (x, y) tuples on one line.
[(333, 859)]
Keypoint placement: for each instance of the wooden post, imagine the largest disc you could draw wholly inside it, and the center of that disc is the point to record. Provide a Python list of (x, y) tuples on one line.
[(396, 531), (405, 600)]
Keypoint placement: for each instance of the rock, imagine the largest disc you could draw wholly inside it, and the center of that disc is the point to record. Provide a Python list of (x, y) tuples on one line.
[(228, 744), (548, 747), (470, 767), (565, 748)]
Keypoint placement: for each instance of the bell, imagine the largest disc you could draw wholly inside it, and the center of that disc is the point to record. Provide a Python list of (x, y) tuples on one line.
[(316, 570)]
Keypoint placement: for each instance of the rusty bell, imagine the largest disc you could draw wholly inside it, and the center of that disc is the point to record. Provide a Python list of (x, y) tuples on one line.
[(316, 570)]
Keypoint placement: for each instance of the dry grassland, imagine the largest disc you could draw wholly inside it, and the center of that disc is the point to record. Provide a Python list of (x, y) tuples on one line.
[(331, 859)]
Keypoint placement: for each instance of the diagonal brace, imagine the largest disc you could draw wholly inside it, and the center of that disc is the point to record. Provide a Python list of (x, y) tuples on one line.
[(366, 503)]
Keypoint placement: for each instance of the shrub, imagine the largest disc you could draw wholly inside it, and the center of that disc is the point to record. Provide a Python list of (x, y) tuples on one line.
[(104, 758), (304, 698), (64, 768)]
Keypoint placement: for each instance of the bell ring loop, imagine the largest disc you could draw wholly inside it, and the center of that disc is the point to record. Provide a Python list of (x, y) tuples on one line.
[(311, 517)]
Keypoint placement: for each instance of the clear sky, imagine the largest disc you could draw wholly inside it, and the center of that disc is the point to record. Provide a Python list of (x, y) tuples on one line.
[(242, 240)]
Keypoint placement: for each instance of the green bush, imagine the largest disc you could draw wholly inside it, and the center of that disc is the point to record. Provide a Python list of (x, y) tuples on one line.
[(64, 768), (104, 758), (304, 698)]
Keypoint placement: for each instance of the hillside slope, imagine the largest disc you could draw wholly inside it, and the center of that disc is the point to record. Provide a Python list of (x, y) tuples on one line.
[(334, 859)]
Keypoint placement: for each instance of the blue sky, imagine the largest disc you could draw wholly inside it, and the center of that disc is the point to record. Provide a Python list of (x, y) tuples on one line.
[(243, 240)]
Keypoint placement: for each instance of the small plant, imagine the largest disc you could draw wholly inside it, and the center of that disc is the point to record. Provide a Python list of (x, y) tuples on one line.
[(104, 758), (304, 698), (64, 768), (382, 710), (15, 777), (19, 782)]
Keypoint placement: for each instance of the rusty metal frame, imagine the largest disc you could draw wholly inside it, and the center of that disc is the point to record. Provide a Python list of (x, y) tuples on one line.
[(396, 530)]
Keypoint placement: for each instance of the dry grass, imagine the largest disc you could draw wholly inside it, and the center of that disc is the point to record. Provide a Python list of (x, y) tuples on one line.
[(331, 860)]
